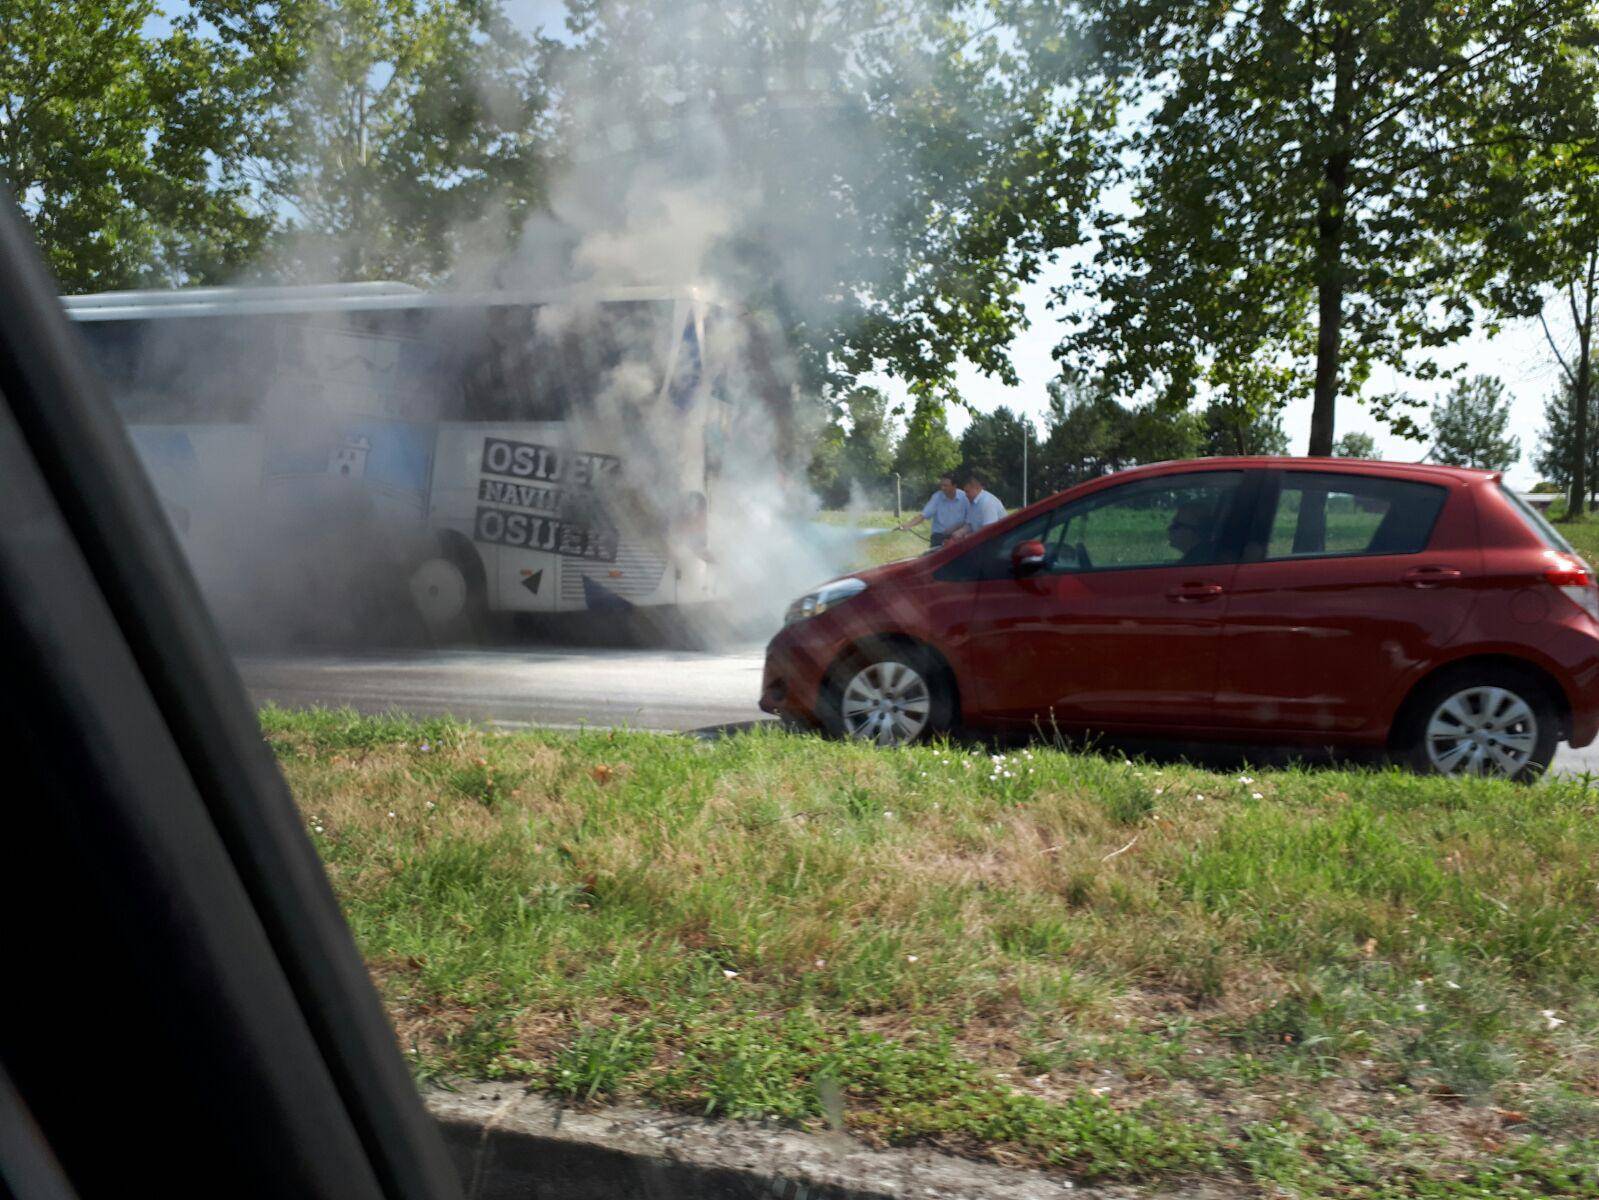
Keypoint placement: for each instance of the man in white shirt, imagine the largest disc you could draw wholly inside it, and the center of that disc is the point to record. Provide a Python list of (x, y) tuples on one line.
[(947, 509), (986, 507)]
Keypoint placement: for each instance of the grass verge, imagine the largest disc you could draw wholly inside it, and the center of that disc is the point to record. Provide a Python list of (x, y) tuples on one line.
[(1322, 983)]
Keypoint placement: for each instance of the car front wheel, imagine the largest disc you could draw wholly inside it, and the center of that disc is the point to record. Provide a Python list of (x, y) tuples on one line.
[(1485, 723), (890, 698)]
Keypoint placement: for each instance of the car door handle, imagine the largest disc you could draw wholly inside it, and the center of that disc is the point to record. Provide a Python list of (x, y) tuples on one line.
[(1188, 593), (1424, 577)]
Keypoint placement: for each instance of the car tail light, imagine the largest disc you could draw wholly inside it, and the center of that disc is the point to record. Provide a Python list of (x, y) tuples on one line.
[(1572, 576)]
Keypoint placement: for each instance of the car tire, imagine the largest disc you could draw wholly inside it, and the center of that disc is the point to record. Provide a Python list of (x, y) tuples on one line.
[(893, 695), (1480, 721)]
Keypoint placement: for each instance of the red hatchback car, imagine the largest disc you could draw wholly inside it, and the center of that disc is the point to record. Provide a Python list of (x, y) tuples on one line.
[(1421, 610)]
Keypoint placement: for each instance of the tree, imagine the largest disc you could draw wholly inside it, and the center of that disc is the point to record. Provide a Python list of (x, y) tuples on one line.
[(881, 177), (1242, 429), (1469, 426), (391, 134), (1355, 445), (855, 455), (121, 145), (1316, 184), (1092, 434), (1087, 434), (993, 445), (1550, 252), (927, 450), (1555, 457)]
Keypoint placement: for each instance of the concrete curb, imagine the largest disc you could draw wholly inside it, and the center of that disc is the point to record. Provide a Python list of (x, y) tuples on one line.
[(510, 1145)]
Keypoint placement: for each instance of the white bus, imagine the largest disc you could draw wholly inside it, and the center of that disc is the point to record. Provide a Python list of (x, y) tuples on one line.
[(554, 453)]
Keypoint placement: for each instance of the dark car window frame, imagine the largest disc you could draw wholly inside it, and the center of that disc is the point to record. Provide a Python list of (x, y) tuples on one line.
[(975, 565), (1271, 489)]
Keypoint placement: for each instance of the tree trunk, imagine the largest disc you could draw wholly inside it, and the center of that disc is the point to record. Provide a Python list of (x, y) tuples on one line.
[(1577, 502), (1330, 212), (1329, 304)]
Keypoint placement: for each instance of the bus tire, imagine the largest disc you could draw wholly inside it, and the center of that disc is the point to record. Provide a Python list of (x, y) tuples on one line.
[(449, 593)]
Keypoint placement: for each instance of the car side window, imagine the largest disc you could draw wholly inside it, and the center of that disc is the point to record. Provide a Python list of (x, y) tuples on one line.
[(1171, 520), (1323, 515), (991, 559)]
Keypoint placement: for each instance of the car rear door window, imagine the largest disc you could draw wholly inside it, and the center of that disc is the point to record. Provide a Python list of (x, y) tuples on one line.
[(1320, 515)]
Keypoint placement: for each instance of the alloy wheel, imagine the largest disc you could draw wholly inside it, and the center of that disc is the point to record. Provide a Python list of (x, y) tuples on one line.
[(887, 703), (1484, 730)]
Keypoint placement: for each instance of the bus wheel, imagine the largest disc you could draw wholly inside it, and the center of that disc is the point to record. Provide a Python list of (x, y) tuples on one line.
[(443, 596)]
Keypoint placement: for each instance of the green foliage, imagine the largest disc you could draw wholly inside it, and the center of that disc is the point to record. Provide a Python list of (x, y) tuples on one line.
[(1469, 427), (1355, 445), (1315, 186), (395, 135), (121, 145)]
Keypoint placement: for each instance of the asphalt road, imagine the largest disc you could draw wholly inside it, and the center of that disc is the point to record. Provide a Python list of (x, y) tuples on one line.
[(561, 687)]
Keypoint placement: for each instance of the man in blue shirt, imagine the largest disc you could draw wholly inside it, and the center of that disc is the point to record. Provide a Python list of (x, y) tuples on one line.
[(947, 509), (986, 508)]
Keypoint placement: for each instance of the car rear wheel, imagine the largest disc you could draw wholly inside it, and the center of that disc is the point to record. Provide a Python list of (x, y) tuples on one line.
[(891, 697), (1483, 723)]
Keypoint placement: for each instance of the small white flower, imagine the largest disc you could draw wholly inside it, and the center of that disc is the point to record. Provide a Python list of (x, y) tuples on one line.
[(1554, 1022), (1245, 779), (1199, 795), (729, 974), (391, 814), (1256, 796), (910, 958), (1451, 985), (1421, 1008), (888, 816), (1158, 791), (821, 962)]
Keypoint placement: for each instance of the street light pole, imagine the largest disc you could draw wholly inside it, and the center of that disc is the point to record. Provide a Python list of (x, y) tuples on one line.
[(1025, 440)]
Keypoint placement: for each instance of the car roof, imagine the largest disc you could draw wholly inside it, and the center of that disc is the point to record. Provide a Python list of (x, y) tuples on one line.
[(1437, 472), (1430, 472)]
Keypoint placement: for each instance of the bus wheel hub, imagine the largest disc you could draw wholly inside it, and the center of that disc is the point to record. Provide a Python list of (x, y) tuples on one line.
[(438, 589)]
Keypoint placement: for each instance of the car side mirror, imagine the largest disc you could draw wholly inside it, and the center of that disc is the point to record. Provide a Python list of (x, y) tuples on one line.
[(1027, 557)]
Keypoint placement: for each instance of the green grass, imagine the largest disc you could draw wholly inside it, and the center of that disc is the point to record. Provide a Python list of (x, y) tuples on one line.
[(1583, 534), (882, 547), (1319, 983)]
